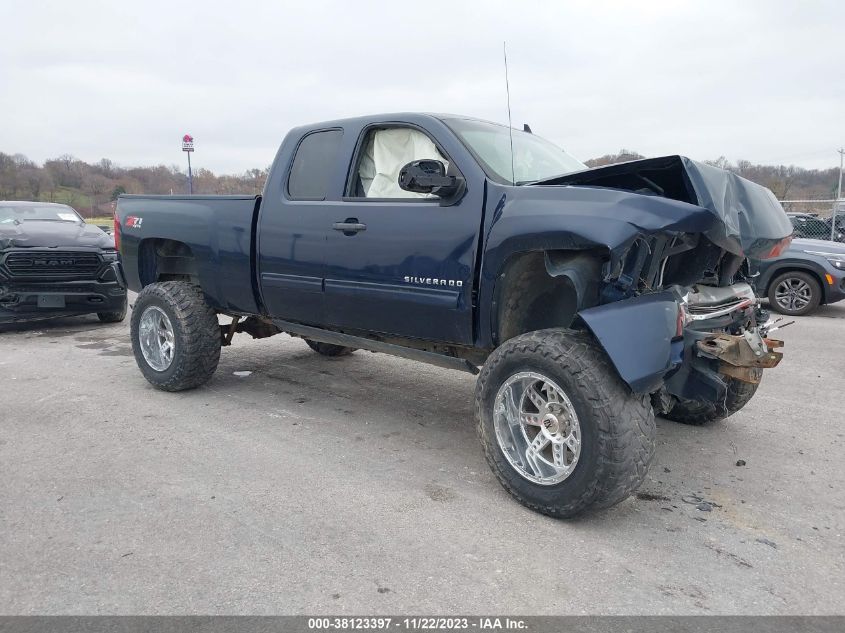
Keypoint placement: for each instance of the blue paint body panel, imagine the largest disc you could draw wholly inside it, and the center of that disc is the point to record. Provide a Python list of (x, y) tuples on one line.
[(637, 336), (216, 229)]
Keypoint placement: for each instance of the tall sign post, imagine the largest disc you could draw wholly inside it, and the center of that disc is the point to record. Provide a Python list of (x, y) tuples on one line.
[(838, 202), (188, 147)]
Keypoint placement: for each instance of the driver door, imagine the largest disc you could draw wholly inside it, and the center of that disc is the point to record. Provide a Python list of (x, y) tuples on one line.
[(398, 262)]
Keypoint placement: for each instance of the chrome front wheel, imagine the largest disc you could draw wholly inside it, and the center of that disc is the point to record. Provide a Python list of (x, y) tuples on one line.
[(560, 429), (537, 428)]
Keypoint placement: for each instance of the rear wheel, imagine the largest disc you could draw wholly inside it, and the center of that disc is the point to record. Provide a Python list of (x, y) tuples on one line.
[(560, 429), (175, 336), (794, 293), (327, 349), (699, 413)]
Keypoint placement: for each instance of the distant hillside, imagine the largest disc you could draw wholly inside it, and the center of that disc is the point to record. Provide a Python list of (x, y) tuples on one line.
[(90, 188)]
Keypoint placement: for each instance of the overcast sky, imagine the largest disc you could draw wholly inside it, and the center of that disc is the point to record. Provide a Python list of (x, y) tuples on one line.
[(761, 80)]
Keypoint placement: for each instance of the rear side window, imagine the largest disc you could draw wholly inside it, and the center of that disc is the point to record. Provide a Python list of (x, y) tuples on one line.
[(315, 158)]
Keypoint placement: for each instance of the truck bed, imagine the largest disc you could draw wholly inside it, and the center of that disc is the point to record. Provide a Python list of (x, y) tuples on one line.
[(218, 230)]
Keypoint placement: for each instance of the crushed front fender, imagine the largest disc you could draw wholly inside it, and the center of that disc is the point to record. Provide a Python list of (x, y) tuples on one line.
[(638, 336)]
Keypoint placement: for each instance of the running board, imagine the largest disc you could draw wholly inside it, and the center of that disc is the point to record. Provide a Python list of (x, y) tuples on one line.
[(347, 340)]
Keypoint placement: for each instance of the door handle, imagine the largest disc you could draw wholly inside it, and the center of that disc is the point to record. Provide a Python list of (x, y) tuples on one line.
[(349, 227)]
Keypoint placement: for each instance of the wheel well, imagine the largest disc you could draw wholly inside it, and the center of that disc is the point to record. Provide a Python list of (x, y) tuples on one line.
[(798, 269), (166, 260), (544, 289)]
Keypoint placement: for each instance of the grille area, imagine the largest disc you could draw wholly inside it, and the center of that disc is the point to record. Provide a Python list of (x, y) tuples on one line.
[(52, 265)]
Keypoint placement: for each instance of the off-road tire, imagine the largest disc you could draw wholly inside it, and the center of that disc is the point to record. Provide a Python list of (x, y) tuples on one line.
[(196, 334), (815, 293), (114, 317), (699, 413), (617, 426), (328, 349)]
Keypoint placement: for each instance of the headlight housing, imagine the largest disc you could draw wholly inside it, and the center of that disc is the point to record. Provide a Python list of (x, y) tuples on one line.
[(836, 260)]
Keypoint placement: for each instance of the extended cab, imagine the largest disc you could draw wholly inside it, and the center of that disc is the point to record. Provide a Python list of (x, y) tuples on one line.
[(588, 298)]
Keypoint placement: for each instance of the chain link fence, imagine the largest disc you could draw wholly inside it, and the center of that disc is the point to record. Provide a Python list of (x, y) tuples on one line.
[(817, 219)]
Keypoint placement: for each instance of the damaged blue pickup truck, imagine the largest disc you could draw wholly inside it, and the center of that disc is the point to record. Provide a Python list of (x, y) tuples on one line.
[(587, 300)]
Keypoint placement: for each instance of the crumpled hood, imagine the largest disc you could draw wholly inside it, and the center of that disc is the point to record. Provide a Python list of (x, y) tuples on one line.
[(751, 220), (529, 218), (44, 234)]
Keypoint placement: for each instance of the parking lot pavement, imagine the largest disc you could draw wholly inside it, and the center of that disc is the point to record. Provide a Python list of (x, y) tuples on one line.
[(357, 485)]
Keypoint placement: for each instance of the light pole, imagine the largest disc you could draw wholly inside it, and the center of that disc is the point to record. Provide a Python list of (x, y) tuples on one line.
[(838, 196), (188, 147)]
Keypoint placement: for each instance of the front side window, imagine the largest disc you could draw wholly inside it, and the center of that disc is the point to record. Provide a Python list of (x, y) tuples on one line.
[(10, 214), (384, 153), (534, 158), (313, 163)]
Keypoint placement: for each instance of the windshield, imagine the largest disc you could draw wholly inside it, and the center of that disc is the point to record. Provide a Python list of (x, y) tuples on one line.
[(534, 158), (10, 214)]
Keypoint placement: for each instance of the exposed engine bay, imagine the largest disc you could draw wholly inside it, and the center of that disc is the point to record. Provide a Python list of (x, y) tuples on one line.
[(691, 278)]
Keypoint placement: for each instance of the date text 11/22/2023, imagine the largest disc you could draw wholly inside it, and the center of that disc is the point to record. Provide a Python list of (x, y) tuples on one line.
[(416, 623)]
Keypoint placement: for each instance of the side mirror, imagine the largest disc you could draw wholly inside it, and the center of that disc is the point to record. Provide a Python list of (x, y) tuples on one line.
[(428, 176)]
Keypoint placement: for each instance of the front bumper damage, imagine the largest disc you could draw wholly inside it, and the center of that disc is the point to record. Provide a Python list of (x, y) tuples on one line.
[(686, 344), (741, 356), (724, 338)]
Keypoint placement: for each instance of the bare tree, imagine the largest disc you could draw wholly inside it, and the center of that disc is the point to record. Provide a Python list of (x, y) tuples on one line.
[(36, 181), (71, 197), (721, 163), (7, 176), (622, 156), (96, 185), (781, 181), (106, 167)]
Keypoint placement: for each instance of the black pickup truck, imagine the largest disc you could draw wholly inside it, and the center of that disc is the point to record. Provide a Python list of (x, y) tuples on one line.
[(54, 264), (590, 299)]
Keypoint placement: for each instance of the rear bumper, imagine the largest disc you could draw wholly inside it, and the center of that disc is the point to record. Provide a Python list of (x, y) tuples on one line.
[(39, 300)]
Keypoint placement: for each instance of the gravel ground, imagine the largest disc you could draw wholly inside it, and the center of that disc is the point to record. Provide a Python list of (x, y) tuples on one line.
[(293, 483)]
